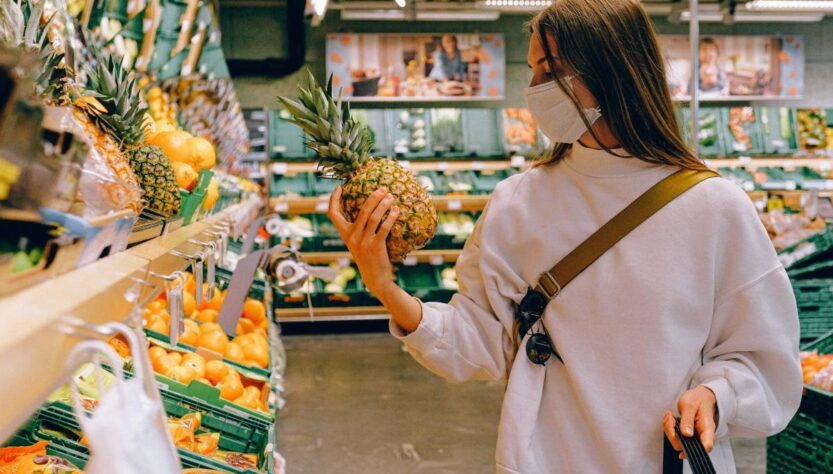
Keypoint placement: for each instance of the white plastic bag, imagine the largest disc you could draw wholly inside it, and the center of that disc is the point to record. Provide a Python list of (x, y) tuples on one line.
[(123, 432)]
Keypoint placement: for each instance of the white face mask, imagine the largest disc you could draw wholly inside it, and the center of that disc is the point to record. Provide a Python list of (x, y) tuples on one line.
[(555, 113)]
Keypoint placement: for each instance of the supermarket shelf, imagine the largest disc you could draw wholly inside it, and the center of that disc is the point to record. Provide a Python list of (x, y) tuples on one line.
[(319, 204), (468, 165), (788, 162), (419, 256), (345, 313), (31, 320)]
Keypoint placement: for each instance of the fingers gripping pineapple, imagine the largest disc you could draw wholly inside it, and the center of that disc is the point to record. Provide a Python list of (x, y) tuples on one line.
[(344, 146)]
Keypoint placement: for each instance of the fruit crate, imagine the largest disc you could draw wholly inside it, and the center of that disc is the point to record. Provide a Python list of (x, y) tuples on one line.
[(814, 298), (752, 131), (482, 136), (55, 422), (285, 184), (817, 271), (460, 182), (486, 181), (297, 300), (818, 403), (778, 130), (355, 294), (423, 282), (326, 238), (807, 251), (191, 204)]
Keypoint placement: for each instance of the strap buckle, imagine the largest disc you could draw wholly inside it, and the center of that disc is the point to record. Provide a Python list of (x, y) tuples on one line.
[(548, 286)]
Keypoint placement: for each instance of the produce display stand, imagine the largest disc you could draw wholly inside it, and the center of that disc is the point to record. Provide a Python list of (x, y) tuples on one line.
[(94, 294)]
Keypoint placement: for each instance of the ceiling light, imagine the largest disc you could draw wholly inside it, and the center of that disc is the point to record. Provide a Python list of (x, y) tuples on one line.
[(795, 5), (320, 7), (520, 4), (379, 15), (473, 15), (401, 3)]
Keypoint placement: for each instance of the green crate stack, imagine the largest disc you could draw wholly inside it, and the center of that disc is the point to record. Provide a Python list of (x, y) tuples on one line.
[(806, 446), (399, 130), (212, 62), (482, 133), (814, 298), (777, 129), (286, 140), (733, 146), (807, 252), (423, 281), (299, 184), (711, 125)]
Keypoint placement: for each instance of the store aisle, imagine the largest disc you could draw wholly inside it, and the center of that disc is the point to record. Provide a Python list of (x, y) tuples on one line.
[(359, 404)]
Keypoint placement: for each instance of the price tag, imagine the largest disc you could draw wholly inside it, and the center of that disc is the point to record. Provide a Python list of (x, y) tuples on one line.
[(779, 143), (282, 207), (478, 165), (790, 185), (344, 262), (455, 205), (435, 260), (442, 166), (322, 206), (410, 261), (824, 165), (518, 161), (280, 168), (788, 165), (748, 186), (745, 160), (405, 164)]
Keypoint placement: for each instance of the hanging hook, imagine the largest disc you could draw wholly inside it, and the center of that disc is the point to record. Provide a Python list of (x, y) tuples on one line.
[(77, 327)]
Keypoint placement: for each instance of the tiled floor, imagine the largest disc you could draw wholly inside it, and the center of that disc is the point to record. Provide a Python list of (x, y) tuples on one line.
[(359, 404)]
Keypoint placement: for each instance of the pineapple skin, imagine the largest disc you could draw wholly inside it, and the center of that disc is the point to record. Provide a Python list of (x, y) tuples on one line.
[(417, 221), (156, 177)]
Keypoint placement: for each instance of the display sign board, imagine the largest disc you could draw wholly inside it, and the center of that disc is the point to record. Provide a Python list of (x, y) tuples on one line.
[(737, 67), (423, 67)]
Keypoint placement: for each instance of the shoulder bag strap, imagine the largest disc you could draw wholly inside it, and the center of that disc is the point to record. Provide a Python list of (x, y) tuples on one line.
[(552, 282)]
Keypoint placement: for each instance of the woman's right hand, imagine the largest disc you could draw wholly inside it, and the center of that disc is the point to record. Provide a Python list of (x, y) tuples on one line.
[(366, 238)]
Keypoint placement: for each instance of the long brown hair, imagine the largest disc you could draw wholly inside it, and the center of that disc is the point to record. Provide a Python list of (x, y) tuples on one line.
[(612, 47)]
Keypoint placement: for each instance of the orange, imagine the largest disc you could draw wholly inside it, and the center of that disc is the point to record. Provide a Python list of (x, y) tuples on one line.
[(211, 327), (216, 303), (230, 388), (181, 374), (205, 303), (245, 326), (244, 340), (174, 144), (809, 376), (177, 356), (190, 283), (234, 352), (186, 176), (204, 380), (159, 325), (192, 325), (164, 315), (121, 347), (264, 324), (258, 338), (207, 316), (156, 352), (215, 341), (191, 335), (254, 310), (157, 305), (247, 401), (196, 363), (252, 391), (189, 303), (215, 370), (164, 364), (258, 354), (202, 153)]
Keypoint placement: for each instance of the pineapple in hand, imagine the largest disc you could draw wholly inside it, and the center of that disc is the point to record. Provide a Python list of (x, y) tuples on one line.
[(343, 146)]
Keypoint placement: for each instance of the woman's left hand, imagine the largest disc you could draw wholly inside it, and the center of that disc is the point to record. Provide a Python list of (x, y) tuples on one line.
[(698, 407)]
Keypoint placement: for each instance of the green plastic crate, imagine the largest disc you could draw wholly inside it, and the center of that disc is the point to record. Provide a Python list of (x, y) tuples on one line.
[(807, 251), (286, 140), (777, 129), (485, 181), (192, 202), (482, 136), (734, 147), (299, 184), (376, 120), (423, 282)]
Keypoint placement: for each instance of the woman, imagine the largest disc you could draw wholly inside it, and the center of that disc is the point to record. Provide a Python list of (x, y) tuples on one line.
[(691, 313), (448, 64)]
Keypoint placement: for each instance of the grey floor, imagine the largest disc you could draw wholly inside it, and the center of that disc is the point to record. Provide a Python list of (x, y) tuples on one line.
[(359, 404)]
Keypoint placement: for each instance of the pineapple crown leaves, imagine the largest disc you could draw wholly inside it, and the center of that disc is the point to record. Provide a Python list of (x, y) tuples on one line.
[(342, 143), (118, 93)]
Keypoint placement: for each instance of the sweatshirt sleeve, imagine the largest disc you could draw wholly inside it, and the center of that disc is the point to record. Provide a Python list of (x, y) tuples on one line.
[(751, 360), (465, 339)]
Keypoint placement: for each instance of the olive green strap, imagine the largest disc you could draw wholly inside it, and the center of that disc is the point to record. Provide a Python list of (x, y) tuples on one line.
[(637, 212)]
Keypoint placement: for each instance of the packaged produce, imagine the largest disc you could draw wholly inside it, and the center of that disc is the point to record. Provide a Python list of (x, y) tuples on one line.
[(33, 460), (786, 230), (812, 128), (818, 369)]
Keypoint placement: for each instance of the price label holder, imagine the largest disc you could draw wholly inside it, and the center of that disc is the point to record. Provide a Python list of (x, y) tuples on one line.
[(455, 205), (436, 260), (442, 166), (282, 206), (410, 261), (745, 160), (280, 168), (478, 165), (518, 161), (322, 206)]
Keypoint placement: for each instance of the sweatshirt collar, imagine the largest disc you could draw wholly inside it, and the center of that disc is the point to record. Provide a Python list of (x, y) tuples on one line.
[(601, 164)]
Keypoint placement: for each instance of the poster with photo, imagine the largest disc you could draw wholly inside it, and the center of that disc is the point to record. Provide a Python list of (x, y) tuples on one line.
[(737, 66), (410, 67)]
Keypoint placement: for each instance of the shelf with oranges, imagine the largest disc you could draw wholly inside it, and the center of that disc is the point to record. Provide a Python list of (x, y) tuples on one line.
[(36, 333)]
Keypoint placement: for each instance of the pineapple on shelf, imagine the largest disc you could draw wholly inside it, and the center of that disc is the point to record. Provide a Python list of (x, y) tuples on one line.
[(343, 146), (115, 115)]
